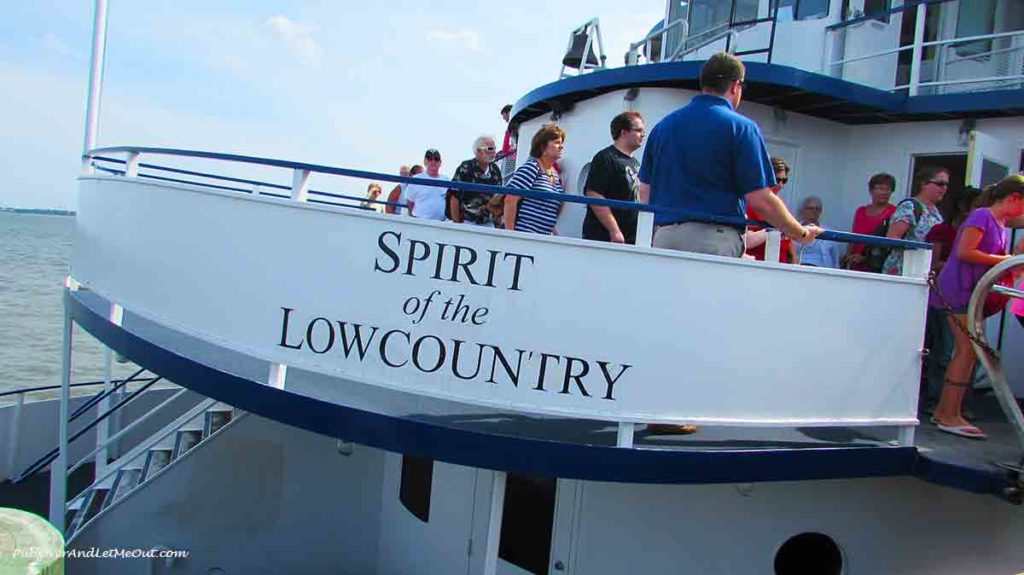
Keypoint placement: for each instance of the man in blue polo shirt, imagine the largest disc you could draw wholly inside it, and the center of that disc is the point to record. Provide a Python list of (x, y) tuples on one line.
[(705, 158)]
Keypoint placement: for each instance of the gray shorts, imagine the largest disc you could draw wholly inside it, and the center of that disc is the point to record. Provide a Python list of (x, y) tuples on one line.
[(714, 239)]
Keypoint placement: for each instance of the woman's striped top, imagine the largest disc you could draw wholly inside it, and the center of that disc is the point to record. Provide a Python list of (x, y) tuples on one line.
[(535, 214)]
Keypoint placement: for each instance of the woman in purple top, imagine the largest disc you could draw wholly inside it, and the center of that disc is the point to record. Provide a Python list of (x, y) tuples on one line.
[(980, 244)]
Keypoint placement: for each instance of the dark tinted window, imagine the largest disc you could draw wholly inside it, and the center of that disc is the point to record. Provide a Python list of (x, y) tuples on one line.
[(526, 522), (417, 479)]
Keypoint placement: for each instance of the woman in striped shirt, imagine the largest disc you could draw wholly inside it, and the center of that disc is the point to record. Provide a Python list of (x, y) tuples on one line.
[(537, 215)]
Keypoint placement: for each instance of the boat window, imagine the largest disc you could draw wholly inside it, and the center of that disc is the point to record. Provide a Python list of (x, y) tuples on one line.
[(417, 480), (878, 8), (809, 553), (978, 20), (706, 15), (800, 9), (527, 522), (678, 10)]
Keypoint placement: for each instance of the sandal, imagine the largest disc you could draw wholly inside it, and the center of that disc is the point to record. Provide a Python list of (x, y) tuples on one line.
[(968, 431)]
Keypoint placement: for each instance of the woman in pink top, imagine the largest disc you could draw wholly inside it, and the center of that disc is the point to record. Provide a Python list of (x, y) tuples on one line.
[(867, 218)]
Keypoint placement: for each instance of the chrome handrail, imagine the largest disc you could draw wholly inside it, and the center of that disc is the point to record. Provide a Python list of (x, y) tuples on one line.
[(976, 327)]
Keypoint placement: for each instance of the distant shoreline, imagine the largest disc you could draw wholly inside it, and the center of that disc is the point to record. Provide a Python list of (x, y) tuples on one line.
[(38, 211)]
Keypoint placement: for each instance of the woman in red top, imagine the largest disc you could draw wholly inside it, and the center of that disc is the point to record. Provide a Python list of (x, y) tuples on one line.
[(755, 238), (869, 217)]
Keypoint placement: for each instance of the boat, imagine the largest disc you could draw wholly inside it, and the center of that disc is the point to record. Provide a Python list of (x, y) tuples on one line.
[(369, 393)]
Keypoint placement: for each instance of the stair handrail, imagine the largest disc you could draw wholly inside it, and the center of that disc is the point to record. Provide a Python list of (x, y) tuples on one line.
[(105, 394), (57, 386), (976, 327), (148, 443), (138, 451), (48, 458), (127, 428)]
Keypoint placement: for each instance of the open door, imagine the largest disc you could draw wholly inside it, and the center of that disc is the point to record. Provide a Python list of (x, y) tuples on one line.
[(989, 160)]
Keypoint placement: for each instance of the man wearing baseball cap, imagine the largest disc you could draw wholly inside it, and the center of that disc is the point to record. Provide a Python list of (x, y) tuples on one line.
[(427, 202)]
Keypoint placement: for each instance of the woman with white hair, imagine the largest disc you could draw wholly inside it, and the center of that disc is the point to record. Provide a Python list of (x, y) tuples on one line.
[(818, 253)]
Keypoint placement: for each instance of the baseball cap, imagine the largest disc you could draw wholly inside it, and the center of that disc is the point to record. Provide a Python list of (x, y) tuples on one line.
[(432, 154)]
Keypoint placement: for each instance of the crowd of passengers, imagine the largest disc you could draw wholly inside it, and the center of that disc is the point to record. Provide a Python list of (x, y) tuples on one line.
[(703, 158)]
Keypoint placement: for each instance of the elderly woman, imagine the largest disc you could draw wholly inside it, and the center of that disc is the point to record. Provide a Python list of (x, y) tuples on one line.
[(867, 218), (537, 215), (819, 253), (981, 243), (914, 217)]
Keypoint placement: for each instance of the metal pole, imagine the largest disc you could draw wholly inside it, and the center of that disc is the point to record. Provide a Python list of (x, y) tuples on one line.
[(494, 523), (915, 62), (92, 107), (59, 468), (103, 431), (13, 440)]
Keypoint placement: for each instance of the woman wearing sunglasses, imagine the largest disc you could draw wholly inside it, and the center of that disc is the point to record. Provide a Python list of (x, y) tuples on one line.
[(914, 217)]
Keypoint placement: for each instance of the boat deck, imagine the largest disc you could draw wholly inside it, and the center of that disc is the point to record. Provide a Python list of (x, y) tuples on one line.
[(546, 445)]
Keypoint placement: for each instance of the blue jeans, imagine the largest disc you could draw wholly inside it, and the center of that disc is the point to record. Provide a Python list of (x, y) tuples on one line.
[(939, 342)]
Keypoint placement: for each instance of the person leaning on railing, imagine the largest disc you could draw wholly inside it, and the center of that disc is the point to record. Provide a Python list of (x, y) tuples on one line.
[(980, 244), (914, 217), (372, 195), (475, 207), (868, 217), (537, 215), (705, 158)]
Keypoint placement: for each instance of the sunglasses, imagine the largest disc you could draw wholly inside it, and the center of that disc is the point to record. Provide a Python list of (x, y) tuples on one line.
[(939, 184), (782, 180), (486, 148)]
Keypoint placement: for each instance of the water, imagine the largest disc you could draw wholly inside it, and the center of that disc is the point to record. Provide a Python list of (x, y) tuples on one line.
[(34, 254)]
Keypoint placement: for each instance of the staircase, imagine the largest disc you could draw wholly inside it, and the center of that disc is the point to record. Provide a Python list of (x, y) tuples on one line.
[(147, 460)]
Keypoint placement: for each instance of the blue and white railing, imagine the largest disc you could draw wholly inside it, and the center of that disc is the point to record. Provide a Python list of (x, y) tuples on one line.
[(917, 254)]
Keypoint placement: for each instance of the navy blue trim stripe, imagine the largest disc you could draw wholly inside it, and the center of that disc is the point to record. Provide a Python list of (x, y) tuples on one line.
[(547, 458), (860, 99)]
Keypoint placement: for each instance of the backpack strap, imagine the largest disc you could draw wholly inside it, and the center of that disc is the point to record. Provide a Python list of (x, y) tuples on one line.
[(918, 212)]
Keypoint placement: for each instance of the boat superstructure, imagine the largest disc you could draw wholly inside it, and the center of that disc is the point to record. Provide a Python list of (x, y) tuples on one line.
[(393, 395)]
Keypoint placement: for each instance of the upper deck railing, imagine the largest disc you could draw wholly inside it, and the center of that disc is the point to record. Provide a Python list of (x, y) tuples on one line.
[(945, 64), (869, 49), (300, 190), (642, 406)]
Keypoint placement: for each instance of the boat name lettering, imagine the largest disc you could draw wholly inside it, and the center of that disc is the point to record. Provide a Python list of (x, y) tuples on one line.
[(466, 361), (464, 264)]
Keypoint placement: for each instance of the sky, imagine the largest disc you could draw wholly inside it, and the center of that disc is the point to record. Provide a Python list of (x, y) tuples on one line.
[(367, 85)]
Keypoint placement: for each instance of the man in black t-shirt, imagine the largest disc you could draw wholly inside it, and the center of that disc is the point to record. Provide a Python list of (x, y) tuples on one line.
[(613, 176)]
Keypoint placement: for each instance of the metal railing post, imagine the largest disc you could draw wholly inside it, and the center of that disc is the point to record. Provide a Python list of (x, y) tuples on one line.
[(300, 185), (645, 229), (59, 468), (13, 441), (772, 245), (497, 511), (103, 431), (917, 263), (915, 61), (131, 167)]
